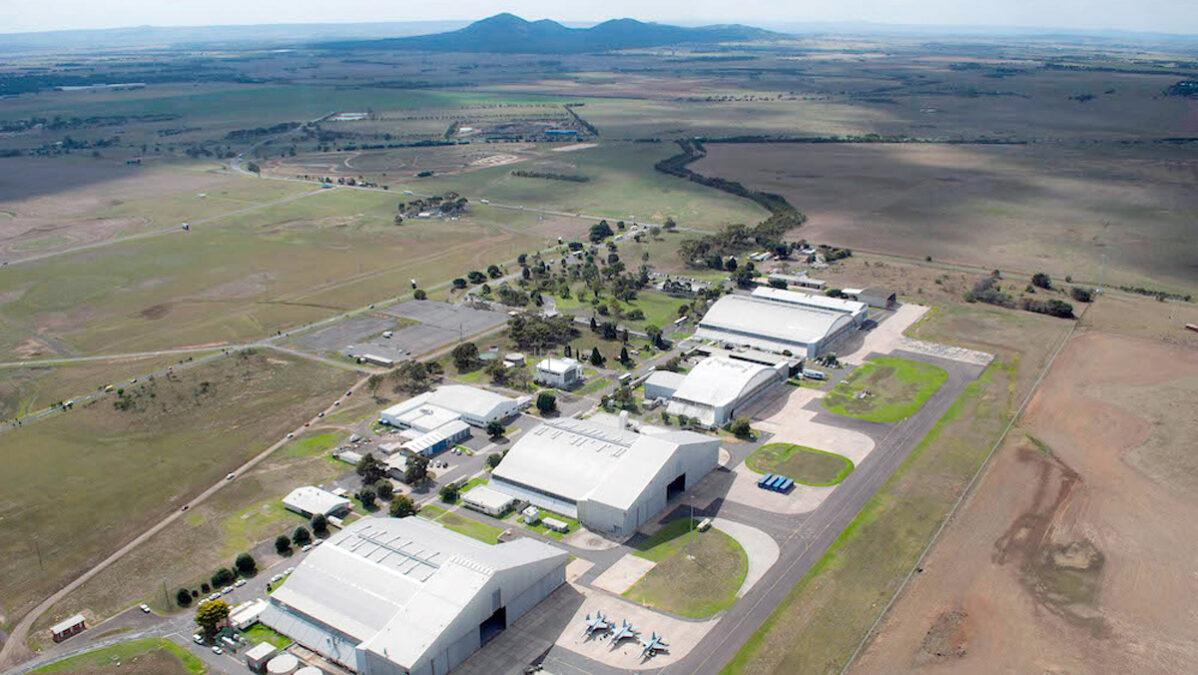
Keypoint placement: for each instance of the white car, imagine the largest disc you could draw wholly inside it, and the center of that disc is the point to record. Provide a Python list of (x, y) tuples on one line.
[(217, 650), (144, 607), (306, 548), (226, 590), (239, 583), (289, 570), (198, 639)]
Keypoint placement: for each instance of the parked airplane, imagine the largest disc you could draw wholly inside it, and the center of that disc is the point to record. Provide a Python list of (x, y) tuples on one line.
[(599, 624), (653, 645), (626, 632)]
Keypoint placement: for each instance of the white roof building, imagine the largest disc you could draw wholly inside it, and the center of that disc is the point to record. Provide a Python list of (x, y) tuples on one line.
[(447, 403), (857, 310), (773, 326), (487, 500), (404, 595), (718, 388), (610, 479), (662, 384), (555, 372), (310, 500)]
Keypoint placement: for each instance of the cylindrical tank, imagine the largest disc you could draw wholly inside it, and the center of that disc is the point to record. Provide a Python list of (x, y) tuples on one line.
[(283, 664), (309, 670)]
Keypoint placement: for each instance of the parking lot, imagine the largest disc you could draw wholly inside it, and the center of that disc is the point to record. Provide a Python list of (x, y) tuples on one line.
[(438, 324)]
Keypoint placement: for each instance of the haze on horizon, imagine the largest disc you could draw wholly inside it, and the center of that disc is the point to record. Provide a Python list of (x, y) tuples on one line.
[(1164, 16)]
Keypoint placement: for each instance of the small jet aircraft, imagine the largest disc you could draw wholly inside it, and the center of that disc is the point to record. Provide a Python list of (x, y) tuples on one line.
[(598, 624), (626, 632), (654, 644)]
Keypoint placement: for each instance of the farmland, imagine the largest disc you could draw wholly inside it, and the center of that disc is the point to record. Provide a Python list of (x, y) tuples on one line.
[(102, 474)]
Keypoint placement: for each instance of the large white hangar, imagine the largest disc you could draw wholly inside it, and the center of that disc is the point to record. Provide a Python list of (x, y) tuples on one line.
[(450, 402), (612, 480), (718, 388), (773, 324), (404, 596)]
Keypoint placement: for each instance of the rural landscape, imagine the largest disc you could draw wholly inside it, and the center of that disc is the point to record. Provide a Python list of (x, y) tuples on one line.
[(515, 346)]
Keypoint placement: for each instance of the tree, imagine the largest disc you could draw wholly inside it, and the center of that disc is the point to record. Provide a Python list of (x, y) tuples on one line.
[(459, 283), (493, 460), (495, 428), (420, 294), (1041, 280), (624, 359), (398, 219), (367, 496), (465, 356), (600, 231), (222, 577), (402, 507), (282, 544), (320, 525), (740, 427), (778, 283), (370, 469), (497, 370), (183, 597), (301, 536), (476, 277), (494, 272), (1081, 294), (623, 397), (211, 615), (655, 231), (596, 358), (546, 402), (450, 493), (670, 224), (384, 489), (654, 334), (245, 564), (417, 470), (730, 264)]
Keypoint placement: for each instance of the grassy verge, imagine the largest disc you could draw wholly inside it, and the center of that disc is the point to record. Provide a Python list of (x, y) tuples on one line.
[(540, 528), (462, 524), (127, 651), (885, 390), (820, 622), (697, 573), (593, 387), (259, 633), (802, 464)]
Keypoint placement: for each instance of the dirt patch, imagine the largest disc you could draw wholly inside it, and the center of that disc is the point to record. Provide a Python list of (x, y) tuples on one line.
[(1075, 553), (156, 311), (946, 640)]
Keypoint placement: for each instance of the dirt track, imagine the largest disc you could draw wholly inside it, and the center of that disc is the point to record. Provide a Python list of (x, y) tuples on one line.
[(1076, 552)]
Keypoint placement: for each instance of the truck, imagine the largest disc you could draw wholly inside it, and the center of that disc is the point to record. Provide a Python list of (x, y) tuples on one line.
[(814, 375)]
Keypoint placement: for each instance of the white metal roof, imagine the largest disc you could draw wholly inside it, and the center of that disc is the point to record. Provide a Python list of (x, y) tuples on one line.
[(768, 325), (448, 430), (850, 307), (577, 460), (260, 651), (665, 378), (396, 584), (67, 623), (311, 499), (557, 366), (717, 381), (487, 498), (430, 410)]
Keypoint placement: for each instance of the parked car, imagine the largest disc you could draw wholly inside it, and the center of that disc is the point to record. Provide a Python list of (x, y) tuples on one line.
[(306, 548), (144, 607), (226, 590), (230, 476), (198, 639), (217, 650), (239, 583)]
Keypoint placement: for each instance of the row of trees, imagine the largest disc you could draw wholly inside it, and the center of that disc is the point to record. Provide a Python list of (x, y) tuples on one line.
[(244, 566)]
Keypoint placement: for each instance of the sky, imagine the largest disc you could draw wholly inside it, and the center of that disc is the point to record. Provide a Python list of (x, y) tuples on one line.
[(1169, 16)]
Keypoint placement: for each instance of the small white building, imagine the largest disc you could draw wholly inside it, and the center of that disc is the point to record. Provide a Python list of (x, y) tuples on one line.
[(259, 655), (310, 500), (563, 373), (661, 384), (472, 405), (718, 388), (485, 500), (246, 614)]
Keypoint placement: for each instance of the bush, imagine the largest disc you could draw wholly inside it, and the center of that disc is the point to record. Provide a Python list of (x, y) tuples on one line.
[(476, 277), (740, 427), (222, 577), (450, 493), (420, 294), (204, 587), (367, 496), (320, 524), (183, 597), (546, 402), (384, 489), (1054, 307), (1081, 294), (459, 283), (245, 564), (493, 460), (282, 544), (1041, 280), (301, 536), (495, 428), (402, 507)]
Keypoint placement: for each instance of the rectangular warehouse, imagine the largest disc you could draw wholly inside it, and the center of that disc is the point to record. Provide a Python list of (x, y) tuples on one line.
[(718, 388), (773, 325), (563, 373), (405, 596), (612, 480), (450, 402), (310, 500), (857, 311)]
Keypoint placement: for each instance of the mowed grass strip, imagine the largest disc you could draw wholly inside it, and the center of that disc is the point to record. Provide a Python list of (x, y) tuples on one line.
[(470, 527), (801, 464), (885, 390), (151, 656), (80, 484), (697, 586), (821, 621)]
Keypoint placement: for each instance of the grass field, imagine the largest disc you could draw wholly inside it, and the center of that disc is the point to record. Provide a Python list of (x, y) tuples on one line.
[(29, 389), (99, 474), (260, 633), (659, 309), (885, 390), (695, 587), (540, 528), (150, 656), (462, 524), (801, 464), (821, 621)]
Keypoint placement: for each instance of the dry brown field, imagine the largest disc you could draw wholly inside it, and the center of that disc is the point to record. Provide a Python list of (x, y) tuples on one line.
[(1075, 552), (1026, 208)]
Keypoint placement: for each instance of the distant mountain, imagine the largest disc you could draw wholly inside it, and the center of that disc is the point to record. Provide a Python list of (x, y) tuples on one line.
[(509, 34)]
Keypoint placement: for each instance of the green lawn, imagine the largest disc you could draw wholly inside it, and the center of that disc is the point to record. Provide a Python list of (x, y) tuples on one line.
[(540, 528), (885, 390), (312, 444), (260, 633), (594, 386), (800, 463), (697, 587), (821, 621), (124, 652), (462, 524)]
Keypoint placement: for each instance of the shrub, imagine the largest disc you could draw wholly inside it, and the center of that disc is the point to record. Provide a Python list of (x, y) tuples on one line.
[(367, 496), (402, 507), (384, 489), (740, 427), (546, 402), (1081, 294), (450, 493), (320, 524), (420, 294), (1041, 280), (183, 597), (282, 544), (222, 577), (1054, 307), (245, 564), (459, 283), (301, 536), (493, 460)]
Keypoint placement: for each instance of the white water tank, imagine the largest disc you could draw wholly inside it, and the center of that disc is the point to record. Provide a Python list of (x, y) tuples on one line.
[(283, 664), (309, 670)]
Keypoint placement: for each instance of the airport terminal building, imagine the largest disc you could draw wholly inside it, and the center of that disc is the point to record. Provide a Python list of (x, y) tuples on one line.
[(405, 596), (611, 479)]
